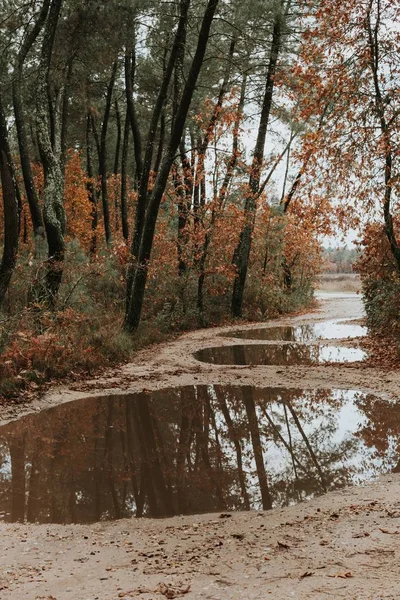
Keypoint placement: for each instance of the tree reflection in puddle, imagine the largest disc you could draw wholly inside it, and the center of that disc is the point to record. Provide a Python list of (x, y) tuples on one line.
[(278, 354), (191, 450), (325, 330)]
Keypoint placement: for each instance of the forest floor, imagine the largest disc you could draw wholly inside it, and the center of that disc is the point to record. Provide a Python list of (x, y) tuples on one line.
[(345, 544)]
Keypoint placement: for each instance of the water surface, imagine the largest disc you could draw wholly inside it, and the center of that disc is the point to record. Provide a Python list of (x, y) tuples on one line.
[(279, 354), (327, 330), (190, 450)]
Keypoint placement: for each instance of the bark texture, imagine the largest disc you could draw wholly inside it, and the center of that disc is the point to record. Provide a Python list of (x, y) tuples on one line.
[(10, 206), (48, 129)]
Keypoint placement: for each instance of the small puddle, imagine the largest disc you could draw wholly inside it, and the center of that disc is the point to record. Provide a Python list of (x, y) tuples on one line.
[(191, 450), (327, 330), (278, 354), (322, 295)]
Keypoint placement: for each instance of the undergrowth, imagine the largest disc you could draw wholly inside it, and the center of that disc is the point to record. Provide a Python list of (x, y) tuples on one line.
[(84, 334)]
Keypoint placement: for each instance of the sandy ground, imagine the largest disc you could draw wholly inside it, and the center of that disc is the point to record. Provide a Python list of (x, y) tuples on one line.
[(343, 545)]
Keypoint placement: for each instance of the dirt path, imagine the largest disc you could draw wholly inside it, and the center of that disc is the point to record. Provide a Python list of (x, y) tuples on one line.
[(171, 364), (342, 545)]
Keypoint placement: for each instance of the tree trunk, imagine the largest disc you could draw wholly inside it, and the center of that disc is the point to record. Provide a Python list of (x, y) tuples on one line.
[(220, 201), (124, 180), (91, 185), (242, 251), (139, 278), (10, 205), (143, 191), (373, 41), (20, 123), (130, 65), (119, 138), (49, 139), (117, 160), (103, 155)]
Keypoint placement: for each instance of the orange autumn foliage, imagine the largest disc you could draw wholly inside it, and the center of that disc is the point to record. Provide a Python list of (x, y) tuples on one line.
[(78, 208)]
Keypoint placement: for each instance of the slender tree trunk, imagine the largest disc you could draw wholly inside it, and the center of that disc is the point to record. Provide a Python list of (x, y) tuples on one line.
[(130, 69), (130, 66), (91, 185), (117, 160), (10, 209), (146, 165), (184, 190), (242, 251), (180, 181), (219, 203), (103, 155), (20, 122), (49, 139), (373, 41), (139, 278), (204, 143), (119, 138), (124, 180), (65, 113)]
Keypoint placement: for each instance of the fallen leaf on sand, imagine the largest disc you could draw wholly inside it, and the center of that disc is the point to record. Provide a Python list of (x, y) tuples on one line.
[(389, 532), (307, 574), (172, 592), (342, 575)]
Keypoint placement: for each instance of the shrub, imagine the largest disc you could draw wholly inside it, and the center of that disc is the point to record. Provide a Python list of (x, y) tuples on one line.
[(380, 282)]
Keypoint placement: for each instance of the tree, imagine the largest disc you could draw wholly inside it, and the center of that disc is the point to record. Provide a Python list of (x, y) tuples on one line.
[(137, 280), (10, 204), (21, 126), (347, 74), (242, 251)]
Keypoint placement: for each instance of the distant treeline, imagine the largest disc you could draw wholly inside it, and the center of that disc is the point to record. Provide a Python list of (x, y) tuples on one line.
[(340, 259)]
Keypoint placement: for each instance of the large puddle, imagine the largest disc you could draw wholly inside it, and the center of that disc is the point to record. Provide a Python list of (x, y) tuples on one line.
[(191, 450), (278, 354), (326, 330)]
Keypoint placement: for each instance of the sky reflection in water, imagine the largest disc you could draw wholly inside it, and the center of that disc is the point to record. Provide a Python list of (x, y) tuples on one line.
[(191, 450)]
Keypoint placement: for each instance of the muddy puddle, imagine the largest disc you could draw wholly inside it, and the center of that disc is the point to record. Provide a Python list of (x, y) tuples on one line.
[(191, 450), (279, 354), (326, 330)]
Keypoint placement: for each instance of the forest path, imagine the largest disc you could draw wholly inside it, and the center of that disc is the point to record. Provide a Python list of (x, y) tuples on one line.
[(172, 363), (341, 545)]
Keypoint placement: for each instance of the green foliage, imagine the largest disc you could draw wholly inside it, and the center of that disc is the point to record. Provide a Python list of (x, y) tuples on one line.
[(382, 304), (380, 282), (340, 259)]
